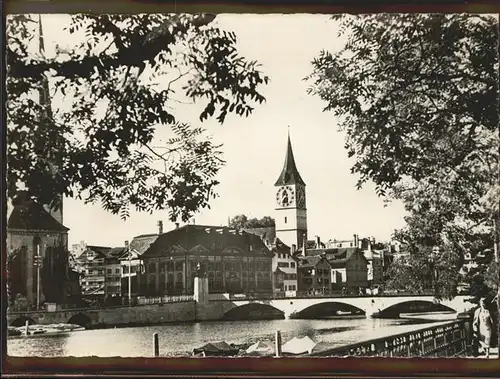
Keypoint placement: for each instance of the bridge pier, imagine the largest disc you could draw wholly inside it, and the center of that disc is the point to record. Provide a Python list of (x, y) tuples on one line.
[(372, 312), (372, 309)]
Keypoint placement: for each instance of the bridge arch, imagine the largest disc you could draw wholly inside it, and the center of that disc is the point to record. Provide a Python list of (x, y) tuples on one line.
[(21, 321), (254, 311), (327, 309), (413, 306), (81, 319)]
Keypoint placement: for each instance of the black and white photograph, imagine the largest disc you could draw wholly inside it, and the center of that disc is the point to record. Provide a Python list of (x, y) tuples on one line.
[(252, 185)]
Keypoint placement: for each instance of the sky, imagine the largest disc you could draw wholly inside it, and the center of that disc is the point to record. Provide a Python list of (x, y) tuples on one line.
[(254, 147)]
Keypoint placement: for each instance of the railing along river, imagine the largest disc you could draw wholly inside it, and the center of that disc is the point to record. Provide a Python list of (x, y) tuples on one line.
[(448, 340)]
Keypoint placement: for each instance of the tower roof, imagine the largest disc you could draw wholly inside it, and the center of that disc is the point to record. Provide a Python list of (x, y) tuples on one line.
[(289, 174), (29, 215)]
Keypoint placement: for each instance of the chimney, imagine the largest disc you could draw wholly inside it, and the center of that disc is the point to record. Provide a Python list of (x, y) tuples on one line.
[(126, 243), (318, 242), (356, 243), (176, 225), (294, 249), (160, 227)]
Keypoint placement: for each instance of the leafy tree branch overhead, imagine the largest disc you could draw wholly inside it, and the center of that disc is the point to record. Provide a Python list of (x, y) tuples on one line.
[(417, 96), (118, 86), (415, 93)]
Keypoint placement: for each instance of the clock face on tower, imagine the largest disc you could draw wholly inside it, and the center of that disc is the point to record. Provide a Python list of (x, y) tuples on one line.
[(285, 196), (301, 197)]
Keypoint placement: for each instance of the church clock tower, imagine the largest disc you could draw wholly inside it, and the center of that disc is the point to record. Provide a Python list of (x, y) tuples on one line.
[(290, 212)]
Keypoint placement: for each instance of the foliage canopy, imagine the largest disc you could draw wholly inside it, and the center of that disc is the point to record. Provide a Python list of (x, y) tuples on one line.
[(117, 86), (242, 221), (417, 95)]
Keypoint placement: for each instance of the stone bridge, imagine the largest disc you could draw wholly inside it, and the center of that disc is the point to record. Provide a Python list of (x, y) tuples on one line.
[(112, 316), (224, 308), (377, 306)]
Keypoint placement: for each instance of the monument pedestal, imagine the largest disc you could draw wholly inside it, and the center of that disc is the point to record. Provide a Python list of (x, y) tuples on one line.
[(201, 290)]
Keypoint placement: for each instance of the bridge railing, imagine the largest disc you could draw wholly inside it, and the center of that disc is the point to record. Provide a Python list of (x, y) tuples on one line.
[(164, 299), (330, 294), (445, 340)]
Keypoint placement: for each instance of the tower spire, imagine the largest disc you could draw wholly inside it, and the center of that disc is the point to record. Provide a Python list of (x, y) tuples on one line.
[(289, 174), (41, 46), (46, 120)]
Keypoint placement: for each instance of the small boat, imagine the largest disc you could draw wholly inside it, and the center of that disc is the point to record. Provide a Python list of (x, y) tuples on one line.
[(298, 346), (344, 313), (43, 330), (216, 349), (12, 331), (261, 348), (38, 331)]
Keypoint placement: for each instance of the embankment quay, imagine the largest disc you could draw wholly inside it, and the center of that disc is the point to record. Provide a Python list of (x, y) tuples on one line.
[(204, 307)]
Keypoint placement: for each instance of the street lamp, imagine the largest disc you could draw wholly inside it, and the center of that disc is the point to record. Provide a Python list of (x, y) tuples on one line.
[(38, 264), (129, 276)]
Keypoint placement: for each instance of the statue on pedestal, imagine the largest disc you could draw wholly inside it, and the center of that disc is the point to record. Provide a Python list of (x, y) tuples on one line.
[(200, 272)]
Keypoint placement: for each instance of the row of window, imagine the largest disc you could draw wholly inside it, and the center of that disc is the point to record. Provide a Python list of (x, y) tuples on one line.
[(283, 255), (290, 276), (92, 283), (210, 266), (213, 282), (133, 269), (286, 264), (216, 275), (100, 272), (309, 281), (291, 287)]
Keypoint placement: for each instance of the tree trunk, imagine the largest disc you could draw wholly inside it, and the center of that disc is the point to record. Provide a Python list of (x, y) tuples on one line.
[(496, 249)]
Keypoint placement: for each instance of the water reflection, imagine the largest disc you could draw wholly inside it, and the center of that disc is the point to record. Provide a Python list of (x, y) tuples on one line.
[(180, 339)]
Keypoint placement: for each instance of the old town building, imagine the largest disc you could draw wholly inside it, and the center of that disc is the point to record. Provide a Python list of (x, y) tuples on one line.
[(132, 266), (284, 269), (101, 273), (233, 260), (314, 274), (332, 269)]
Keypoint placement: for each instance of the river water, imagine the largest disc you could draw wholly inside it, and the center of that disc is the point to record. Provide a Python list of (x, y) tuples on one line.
[(180, 339)]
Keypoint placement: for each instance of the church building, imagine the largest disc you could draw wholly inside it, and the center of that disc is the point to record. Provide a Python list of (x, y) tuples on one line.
[(37, 240)]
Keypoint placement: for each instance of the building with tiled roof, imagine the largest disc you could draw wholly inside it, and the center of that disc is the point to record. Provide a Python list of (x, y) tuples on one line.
[(29, 215), (284, 266), (32, 231), (325, 269), (314, 274), (233, 260), (267, 234), (284, 269), (132, 267), (101, 271)]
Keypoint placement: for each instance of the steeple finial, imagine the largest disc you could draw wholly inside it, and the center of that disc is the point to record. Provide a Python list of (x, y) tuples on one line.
[(41, 46)]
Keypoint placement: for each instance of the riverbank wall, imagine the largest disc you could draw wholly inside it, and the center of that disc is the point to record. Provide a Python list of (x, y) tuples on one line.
[(139, 315)]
